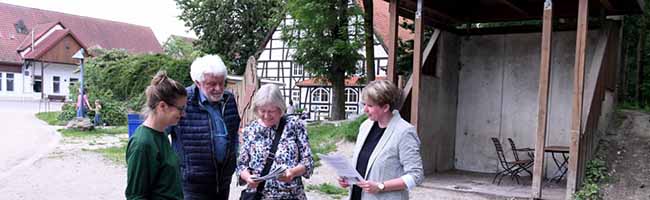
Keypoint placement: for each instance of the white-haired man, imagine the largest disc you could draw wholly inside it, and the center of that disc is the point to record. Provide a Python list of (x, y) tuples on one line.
[(206, 137)]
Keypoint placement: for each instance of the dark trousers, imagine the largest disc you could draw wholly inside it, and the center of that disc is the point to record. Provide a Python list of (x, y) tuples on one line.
[(207, 195)]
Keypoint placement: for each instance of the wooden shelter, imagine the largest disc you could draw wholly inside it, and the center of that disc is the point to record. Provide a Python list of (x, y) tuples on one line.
[(538, 95)]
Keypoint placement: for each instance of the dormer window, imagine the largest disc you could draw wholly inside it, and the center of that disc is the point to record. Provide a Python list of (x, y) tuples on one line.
[(21, 28)]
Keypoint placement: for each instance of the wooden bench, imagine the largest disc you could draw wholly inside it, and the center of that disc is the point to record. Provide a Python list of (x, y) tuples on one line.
[(60, 98)]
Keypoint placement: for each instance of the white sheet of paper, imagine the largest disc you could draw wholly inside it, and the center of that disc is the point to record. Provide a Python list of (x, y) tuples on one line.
[(342, 167)]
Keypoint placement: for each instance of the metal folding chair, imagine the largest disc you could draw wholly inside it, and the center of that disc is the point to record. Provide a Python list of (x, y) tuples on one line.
[(528, 151), (510, 168)]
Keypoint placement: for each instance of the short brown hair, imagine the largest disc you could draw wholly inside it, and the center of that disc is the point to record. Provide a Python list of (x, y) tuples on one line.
[(382, 92), (162, 88)]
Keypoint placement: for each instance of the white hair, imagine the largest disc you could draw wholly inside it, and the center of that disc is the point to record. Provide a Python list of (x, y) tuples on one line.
[(269, 94), (208, 64)]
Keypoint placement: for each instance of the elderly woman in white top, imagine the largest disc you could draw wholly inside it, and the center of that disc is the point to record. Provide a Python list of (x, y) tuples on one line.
[(387, 151), (293, 151)]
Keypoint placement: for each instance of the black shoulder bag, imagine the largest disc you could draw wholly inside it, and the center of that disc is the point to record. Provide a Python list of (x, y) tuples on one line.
[(257, 195)]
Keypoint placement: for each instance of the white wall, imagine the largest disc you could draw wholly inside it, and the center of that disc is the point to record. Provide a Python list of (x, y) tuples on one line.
[(23, 83)]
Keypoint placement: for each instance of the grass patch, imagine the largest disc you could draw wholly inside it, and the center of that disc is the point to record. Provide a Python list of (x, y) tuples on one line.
[(326, 188), (323, 137), (115, 154), (51, 118), (98, 132), (595, 176)]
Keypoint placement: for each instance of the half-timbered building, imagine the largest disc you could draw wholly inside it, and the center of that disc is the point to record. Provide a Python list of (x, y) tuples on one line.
[(311, 93)]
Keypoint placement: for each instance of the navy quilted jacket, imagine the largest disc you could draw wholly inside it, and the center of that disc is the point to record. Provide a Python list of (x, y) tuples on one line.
[(192, 141)]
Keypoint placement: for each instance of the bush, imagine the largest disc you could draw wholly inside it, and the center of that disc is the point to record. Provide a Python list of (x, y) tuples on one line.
[(119, 81), (67, 112)]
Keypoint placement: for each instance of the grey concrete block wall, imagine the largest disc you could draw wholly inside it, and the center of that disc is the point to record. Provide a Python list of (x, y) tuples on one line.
[(497, 97), (439, 96)]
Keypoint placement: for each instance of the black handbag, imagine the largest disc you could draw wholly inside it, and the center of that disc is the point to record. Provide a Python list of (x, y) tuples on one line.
[(257, 194)]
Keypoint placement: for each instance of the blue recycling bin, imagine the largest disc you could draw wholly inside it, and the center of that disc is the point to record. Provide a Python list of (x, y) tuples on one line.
[(134, 121)]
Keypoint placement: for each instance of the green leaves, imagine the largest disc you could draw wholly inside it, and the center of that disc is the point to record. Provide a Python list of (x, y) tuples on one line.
[(119, 81), (324, 46), (231, 27)]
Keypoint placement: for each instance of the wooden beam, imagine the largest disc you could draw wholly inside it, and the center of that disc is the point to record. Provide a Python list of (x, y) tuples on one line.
[(430, 44), (409, 84), (578, 92), (392, 44), (515, 7), (542, 114), (417, 65)]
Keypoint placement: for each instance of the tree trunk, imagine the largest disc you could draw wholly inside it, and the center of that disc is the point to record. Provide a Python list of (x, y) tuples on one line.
[(639, 67), (370, 41), (337, 72), (338, 98)]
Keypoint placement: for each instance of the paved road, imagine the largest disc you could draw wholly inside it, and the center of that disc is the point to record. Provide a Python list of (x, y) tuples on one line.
[(25, 139)]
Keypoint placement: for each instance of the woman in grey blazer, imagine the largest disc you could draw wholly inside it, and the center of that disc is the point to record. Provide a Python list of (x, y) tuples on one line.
[(387, 151)]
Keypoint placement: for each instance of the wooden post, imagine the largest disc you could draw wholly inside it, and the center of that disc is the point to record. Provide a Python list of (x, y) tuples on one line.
[(417, 64), (392, 38), (578, 91), (544, 71)]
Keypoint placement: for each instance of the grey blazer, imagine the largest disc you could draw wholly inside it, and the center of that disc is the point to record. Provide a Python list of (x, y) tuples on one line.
[(397, 154)]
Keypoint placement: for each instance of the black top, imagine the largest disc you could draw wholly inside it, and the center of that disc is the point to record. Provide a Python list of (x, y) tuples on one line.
[(364, 155)]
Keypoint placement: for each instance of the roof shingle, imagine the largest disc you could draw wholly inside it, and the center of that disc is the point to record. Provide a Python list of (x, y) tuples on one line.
[(92, 32)]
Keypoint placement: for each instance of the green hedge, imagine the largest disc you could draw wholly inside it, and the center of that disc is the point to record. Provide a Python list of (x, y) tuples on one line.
[(119, 80)]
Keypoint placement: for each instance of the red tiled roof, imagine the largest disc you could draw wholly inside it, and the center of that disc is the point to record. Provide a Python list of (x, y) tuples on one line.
[(319, 82), (39, 31), (380, 21), (90, 31)]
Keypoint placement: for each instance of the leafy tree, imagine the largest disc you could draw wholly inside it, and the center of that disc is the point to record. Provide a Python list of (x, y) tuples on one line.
[(233, 29), (634, 82), (404, 65), (323, 44), (119, 80), (179, 47), (369, 39)]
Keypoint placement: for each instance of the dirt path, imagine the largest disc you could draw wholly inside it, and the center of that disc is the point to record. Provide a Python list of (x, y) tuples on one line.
[(68, 172), (629, 157)]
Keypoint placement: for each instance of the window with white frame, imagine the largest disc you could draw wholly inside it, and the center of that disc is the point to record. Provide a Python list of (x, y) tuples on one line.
[(320, 95), (295, 96), (352, 109), (1, 82), (351, 95), (38, 82), (298, 70), (56, 84), (10, 82), (73, 81)]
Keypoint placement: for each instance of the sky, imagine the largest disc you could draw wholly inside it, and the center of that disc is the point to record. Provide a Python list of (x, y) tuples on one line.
[(159, 15)]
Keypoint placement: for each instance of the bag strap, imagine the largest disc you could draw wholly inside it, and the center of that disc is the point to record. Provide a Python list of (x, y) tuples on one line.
[(271, 157)]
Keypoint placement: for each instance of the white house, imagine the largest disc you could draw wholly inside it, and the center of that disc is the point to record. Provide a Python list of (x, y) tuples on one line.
[(36, 48)]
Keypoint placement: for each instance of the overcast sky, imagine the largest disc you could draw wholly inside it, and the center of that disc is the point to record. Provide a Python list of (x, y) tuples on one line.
[(159, 15)]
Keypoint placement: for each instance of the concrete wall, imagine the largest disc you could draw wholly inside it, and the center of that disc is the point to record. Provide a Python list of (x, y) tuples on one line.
[(498, 86), (439, 97)]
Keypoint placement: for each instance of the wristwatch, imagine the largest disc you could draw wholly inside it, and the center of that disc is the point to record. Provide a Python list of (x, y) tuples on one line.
[(381, 186)]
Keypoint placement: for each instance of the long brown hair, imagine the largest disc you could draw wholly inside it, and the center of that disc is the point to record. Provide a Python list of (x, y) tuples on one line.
[(162, 88)]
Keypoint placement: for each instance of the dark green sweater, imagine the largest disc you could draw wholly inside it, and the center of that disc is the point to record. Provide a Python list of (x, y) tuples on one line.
[(153, 167)]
